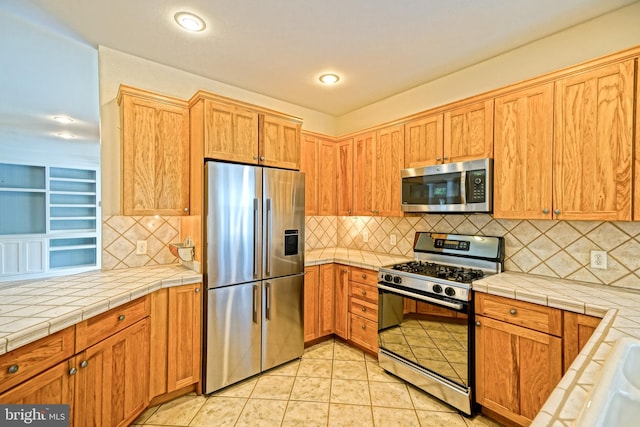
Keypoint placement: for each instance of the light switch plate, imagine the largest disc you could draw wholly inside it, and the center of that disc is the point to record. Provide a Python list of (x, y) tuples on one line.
[(365, 236), (141, 247), (392, 239), (599, 259)]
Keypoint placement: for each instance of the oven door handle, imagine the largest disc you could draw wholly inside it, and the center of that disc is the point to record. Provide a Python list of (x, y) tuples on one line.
[(457, 306)]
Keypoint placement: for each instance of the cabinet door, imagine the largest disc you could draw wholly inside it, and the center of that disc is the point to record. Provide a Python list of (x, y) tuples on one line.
[(345, 177), (522, 154), (326, 300), (184, 336), (516, 368), (593, 144), (155, 153), (309, 165), (468, 132), (423, 141), (577, 330), (364, 149), (230, 133), (327, 177), (341, 301), (279, 142), (389, 161), (112, 383), (311, 302)]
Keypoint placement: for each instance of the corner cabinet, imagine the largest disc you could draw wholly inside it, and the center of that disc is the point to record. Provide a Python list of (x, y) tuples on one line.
[(318, 301), (226, 129), (155, 153), (319, 163)]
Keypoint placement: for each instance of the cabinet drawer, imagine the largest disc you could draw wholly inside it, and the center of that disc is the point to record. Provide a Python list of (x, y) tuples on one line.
[(363, 332), (533, 316), (23, 363), (363, 308), (98, 328), (362, 275), (365, 292)]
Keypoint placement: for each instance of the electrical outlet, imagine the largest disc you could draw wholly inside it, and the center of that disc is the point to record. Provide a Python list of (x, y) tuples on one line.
[(392, 239), (365, 236), (599, 259), (141, 247)]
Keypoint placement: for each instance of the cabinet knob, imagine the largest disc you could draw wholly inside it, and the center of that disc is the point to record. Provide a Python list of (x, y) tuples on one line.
[(513, 312), (197, 290), (261, 157), (255, 157), (446, 158), (557, 211), (349, 211), (364, 293), (477, 323), (186, 209), (73, 371), (438, 158), (364, 326), (84, 364), (344, 270), (545, 211), (121, 317), (364, 276), (364, 309), (13, 369)]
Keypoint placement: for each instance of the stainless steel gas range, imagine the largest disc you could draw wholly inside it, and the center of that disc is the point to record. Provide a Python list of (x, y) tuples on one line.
[(426, 310)]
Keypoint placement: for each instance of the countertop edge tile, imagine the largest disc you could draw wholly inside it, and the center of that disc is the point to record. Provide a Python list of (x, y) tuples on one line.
[(3, 345), (27, 335)]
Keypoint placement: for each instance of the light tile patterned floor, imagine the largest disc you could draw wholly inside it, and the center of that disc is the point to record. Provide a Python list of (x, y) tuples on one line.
[(332, 385)]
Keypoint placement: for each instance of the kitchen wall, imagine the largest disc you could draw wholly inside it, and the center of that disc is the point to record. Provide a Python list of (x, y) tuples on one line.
[(548, 248)]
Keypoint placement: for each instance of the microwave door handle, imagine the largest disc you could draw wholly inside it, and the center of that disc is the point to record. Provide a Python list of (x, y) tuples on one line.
[(463, 188)]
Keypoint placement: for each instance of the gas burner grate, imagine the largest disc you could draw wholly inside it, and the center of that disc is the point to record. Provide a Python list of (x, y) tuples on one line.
[(447, 272)]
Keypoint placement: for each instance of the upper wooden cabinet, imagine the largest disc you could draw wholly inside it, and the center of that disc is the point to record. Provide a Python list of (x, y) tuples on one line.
[(378, 160), (468, 132), (319, 162), (423, 141), (344, 187), (593, 144), (226, 129), (309, 165), (523, 154), (155, 153)]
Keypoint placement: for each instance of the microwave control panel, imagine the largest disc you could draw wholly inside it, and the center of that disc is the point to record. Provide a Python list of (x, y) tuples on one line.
[(477, 186)]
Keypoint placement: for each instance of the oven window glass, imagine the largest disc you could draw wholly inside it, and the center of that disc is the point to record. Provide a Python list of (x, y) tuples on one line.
[(433, 337), (441, 189)]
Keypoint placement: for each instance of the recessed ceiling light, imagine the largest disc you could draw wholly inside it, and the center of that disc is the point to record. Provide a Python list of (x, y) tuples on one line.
[(65, 135), (189, 21), (63, 119), (329, 79)]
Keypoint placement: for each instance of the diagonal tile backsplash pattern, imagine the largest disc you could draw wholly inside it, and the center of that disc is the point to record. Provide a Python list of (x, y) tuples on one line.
[(545, 247), (121, 233)]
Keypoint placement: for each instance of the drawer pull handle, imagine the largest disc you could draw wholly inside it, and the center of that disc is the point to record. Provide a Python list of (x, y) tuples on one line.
[(364, 276), (364, 326), (121, 317), (364, 308), (364, 293), (513, 312), (73, 371), (13, 369), (84, 364)]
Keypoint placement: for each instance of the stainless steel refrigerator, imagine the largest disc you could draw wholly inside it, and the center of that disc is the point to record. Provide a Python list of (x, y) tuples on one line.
[(254, 271)]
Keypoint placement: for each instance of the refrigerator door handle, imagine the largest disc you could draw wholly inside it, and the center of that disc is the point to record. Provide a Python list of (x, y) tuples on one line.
[(268, 302), (256, 210), (255, 303), (268, 243)]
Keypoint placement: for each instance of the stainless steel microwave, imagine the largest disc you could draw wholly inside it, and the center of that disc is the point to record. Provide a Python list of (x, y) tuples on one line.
[(451, 187)]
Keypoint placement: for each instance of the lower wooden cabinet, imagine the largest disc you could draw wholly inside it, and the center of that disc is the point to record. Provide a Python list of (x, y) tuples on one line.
[(341, 301), (577, 330), (318, 301)]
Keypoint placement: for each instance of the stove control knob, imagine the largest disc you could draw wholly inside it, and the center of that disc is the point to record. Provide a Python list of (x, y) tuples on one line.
[(397, 280), (450, 291), (387, 277), (437, 289)]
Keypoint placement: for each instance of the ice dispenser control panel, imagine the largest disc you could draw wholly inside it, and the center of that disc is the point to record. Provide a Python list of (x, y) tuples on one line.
[(290, 242)]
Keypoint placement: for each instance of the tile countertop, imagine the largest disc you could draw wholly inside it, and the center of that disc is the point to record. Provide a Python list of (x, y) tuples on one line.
[(620, 313), (356, 258), (33, 309)]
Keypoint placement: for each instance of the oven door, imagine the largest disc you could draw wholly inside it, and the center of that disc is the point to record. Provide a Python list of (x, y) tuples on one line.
[(427, 344)]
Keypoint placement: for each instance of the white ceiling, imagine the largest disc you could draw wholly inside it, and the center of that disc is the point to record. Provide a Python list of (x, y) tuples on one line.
[(279, 47)]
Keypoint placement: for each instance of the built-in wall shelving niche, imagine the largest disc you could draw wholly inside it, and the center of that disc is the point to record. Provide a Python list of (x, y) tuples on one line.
[(49, 220)]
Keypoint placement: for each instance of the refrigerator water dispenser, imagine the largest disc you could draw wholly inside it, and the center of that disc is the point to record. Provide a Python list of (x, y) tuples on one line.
[(290, 242)]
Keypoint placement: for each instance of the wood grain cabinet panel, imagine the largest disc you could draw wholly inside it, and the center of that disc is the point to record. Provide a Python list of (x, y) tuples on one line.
[(593, 144), (327, 177), (326, 292), (341, 301), (279, 142), (311, 303), (364, 150), (309, 165), (230, 132), (423, 141), (387, 166), (155, 153), (523, 152), (577, 330), (468, 132), (344, 187)]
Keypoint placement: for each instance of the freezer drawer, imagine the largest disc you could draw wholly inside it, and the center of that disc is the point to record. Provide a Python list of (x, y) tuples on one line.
[(282, 324), (233, 334)]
